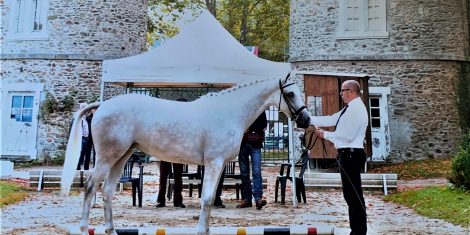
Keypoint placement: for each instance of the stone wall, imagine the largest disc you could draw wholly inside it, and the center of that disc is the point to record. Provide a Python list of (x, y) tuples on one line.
[(84, 30), (79, 79), (69, 62), (418, 30), (421, 61), (424, 121)]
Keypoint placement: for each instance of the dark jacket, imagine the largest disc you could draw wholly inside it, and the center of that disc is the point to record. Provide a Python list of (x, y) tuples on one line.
[(254, 135)]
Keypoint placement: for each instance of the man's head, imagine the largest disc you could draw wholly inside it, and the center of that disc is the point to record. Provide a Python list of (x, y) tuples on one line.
[(350, 90)]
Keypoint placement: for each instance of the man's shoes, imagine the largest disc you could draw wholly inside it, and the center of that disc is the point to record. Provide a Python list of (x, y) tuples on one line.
[(179, 205), (260, 204), (244, 204), (160, 205), (218, 204)]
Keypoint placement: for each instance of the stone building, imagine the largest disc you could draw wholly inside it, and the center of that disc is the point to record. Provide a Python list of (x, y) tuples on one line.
[(416, 54), (51, 57)]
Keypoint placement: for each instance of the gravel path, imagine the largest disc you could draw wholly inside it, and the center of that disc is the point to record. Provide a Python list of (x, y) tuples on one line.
[(49, 213)]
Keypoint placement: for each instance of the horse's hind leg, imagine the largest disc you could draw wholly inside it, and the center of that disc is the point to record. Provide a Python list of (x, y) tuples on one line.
[(90, 191), (109, 189)]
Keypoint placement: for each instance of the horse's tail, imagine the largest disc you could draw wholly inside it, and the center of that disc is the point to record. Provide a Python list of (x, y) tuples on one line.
[(72, 154)]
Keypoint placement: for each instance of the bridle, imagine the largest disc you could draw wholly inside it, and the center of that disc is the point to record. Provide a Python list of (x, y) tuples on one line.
[(295, 113)]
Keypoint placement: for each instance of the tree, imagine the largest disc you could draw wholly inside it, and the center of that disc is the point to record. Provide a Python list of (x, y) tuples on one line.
[(163, 15), (211, 6), (263, 23)]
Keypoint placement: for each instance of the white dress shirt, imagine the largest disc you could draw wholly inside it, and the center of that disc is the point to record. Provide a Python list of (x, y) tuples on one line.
[(351, 129), (85, 131)]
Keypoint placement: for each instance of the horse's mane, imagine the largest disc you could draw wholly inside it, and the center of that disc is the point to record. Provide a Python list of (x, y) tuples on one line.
[(236, 87)]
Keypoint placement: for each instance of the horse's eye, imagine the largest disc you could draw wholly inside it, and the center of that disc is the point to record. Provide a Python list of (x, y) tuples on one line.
[(290, 94)]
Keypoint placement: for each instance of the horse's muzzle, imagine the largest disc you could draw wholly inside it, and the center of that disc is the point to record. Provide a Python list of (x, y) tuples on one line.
[(303, 121)]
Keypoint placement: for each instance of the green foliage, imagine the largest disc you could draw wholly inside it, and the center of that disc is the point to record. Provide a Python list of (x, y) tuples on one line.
[(48, 106), (54, 161), (450, 204), (51, 105), (460, 173), (11, 193), (434, 168), (263, 23), (163, 15), (67, 103)]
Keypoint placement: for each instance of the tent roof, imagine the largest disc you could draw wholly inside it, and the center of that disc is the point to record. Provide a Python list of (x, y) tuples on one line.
[(202, 54)]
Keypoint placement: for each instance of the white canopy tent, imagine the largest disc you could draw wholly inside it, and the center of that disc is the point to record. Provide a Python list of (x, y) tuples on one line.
[(202, 54)]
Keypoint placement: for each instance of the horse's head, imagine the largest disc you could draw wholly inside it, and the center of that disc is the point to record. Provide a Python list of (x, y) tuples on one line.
[(292, 104)]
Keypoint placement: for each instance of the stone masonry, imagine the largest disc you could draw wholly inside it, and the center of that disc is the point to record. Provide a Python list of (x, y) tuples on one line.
[(69, 62), (421, 61)]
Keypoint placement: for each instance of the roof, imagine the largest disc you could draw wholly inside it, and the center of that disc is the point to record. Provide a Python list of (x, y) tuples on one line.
[(204, 53)]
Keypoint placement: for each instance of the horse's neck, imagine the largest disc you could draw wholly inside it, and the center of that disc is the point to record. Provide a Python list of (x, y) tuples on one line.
[(246, 103)]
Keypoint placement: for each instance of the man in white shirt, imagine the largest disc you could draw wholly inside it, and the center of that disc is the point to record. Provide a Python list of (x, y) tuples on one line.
[(348, 138), (84, 157)]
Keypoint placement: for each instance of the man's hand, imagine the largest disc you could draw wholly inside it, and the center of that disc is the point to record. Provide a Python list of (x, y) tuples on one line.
[(319, 132)]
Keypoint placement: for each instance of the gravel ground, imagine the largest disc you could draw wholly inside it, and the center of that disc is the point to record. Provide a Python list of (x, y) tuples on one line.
[(50, 213)]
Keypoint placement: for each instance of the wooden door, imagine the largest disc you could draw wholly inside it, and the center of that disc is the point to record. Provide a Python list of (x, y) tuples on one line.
[(322, 98)]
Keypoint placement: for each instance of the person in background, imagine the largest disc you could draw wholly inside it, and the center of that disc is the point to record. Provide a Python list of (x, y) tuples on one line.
[(89, 146), (348, 138), (165, 170), (251, 146), (84, 157)]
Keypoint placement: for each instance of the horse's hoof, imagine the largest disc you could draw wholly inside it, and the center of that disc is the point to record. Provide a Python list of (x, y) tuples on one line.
[(203, 233), (110, 231)]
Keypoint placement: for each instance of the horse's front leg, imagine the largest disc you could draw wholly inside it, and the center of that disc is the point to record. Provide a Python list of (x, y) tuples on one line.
[(212, 173)]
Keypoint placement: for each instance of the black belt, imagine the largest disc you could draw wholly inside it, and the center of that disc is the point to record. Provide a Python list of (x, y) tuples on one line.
[(350, 150)]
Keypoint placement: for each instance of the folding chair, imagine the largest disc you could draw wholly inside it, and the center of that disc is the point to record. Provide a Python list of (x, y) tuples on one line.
[(137, 182), (299, 180)]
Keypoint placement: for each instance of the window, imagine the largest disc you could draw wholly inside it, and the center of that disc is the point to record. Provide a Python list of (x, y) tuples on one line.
[(375, 112), (362, 19), (22, 108), (314, 104), (28, 19)]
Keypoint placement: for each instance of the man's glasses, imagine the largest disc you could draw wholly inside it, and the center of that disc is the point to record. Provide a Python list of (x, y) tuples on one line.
[(343, 90)]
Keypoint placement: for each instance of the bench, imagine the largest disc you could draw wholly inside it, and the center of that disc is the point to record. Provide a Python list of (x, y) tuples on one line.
[(229, 183), (50, 179), (369, 180)]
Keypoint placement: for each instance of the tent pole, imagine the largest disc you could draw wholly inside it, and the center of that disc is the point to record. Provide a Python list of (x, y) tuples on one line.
[(102, 91), (291, 158)]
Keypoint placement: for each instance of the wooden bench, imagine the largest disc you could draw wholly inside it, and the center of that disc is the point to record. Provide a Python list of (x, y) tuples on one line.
[(369, 180), (50, 179), (229, 183)]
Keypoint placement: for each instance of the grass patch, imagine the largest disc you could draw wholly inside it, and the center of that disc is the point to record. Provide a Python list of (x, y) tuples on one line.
[(11, 193), (446, 203), (425, 169)]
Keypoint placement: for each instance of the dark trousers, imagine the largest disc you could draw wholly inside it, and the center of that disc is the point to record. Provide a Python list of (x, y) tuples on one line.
[(84, 154), (248, 191), (165, 170), (351, 165), (89, 150)]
